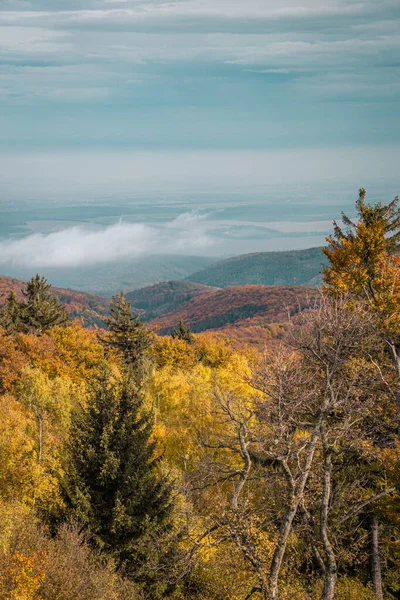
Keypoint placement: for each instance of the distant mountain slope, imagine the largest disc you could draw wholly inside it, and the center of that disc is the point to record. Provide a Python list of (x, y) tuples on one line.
[(108, 279), (296, 267), (235, 307), (93, 310), (164, 297)]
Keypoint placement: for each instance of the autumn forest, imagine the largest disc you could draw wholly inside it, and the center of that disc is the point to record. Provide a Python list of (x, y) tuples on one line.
[(183, 464)]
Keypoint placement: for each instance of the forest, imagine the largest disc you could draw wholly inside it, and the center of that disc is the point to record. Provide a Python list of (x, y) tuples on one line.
[(136, 466)]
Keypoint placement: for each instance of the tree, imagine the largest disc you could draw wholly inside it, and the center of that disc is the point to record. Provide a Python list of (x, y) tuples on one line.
[(281, 463), (128, 335), (11, 314), (41, 310), (183, 332), (113, 486), (364, 257), (364, 262), (37, 313)]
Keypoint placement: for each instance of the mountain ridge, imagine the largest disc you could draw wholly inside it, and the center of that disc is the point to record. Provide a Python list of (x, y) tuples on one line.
[(291, 267), (225, 311)]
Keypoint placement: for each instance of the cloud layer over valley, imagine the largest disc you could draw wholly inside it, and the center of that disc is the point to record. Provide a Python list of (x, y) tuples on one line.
[(83, 246)]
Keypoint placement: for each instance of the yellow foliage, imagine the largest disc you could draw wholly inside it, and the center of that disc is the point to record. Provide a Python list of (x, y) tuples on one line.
[(18, 466), (364, 260), (168, 351)]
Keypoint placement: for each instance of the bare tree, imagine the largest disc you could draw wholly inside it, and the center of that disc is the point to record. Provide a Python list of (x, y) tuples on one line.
[(308, 412)]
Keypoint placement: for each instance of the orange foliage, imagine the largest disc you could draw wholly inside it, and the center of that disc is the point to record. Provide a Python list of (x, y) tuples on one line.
[(24, 576), (243, 312), (71, 351), (90, 310)]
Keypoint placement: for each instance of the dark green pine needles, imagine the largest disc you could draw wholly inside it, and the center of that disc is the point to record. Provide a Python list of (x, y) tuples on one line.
[(128, 335), (38, 312), (115, 489)]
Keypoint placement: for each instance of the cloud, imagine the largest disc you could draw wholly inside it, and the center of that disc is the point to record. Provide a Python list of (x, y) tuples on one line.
[(232, 61), (82, 246)]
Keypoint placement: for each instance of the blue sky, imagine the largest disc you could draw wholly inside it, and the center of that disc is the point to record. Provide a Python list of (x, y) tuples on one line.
[(253, 74)]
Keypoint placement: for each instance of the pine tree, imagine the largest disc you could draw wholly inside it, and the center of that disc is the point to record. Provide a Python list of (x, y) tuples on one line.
[(41, 310), (183, 332), (114, 488), (38, 312), (11, 315), (128, 335)]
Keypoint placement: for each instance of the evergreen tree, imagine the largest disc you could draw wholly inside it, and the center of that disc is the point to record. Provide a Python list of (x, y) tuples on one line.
[(11, 315), (38, 312), (363, 257), (128, 335), (41, 309), (183, 332), (113, 484)]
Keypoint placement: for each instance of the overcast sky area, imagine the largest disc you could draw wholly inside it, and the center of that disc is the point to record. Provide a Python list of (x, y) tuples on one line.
[(196, 103)]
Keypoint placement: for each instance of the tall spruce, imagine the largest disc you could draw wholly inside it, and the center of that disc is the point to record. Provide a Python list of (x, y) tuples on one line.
[(114, 486), (128, 335), (38, 312)]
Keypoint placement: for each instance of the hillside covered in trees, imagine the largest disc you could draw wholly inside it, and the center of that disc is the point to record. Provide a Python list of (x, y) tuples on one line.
[(190, 467), (245, 306), (163, 297), (295, 267)]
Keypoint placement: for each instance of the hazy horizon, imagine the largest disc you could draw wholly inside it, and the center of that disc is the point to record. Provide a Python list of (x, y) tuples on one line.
[(210, 128)]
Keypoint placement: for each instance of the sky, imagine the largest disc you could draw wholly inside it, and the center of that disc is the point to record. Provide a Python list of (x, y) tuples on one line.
[(199, 73), (195, 103)]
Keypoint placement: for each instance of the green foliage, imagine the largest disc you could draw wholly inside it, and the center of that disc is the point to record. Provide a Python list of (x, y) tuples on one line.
[(128, 335), (113, 485), (37, 313), (11, 315), (297, 267), (183, 332)]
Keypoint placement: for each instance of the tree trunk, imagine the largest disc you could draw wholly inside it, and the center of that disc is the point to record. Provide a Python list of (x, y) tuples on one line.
[(290, 514), (330, 559), (395, 355), (376, 574)]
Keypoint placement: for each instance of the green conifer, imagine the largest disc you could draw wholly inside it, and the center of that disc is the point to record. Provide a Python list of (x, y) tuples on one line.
[(183, 332), (114, 487), (11, 315), (38, 312), (41, 310), (128, 335)]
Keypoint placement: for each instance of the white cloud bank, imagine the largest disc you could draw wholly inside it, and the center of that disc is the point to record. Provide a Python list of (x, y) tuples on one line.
[(79, 246)]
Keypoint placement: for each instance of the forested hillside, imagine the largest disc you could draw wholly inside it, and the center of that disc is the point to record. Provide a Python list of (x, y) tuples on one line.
[(163, 297), (190, 467), (239, 306), (92, 310), (296, 267)]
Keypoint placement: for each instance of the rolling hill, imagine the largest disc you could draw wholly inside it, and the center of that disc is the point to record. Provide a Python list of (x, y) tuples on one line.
[(108, 279), (245, 312), (164, 297), (295, 267), (93, 310), (250, 313)]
